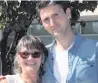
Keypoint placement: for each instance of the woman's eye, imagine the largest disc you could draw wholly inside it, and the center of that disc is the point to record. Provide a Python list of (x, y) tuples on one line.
[(25, 53)]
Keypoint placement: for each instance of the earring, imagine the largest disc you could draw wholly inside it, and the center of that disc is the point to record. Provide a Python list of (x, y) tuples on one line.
[(69, 16)]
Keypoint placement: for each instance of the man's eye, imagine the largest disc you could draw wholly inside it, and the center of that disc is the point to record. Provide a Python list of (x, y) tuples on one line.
[(55, 15), (46, 19)]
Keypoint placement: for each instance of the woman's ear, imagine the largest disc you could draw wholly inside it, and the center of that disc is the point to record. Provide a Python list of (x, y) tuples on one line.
[(68, 13)]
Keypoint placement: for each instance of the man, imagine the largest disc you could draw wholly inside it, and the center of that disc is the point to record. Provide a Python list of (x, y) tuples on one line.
[(72, 58)]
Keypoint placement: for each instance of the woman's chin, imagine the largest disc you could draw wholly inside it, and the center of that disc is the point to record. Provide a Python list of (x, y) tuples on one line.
[(31, 70)]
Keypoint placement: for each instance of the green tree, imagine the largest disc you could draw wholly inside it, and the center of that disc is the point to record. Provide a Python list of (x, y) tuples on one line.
[(15, 17)]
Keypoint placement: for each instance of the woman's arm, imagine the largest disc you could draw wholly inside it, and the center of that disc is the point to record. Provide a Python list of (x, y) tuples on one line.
[(4, 80), (2, 77)]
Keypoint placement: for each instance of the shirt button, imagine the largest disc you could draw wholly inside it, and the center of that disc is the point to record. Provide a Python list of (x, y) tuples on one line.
[(69, 56), (79, 80), (66, 81)]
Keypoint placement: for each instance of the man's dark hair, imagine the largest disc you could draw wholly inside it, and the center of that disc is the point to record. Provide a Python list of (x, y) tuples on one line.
[(64, 4)]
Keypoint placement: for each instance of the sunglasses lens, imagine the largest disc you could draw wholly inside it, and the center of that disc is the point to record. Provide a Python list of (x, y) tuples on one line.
[(24, 55), (36, 54)]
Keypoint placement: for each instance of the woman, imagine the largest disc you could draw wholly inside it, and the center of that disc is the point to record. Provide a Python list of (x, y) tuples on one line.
[(28, 62)]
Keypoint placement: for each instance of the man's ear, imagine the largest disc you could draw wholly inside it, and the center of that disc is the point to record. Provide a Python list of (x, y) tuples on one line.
[(68, 13)]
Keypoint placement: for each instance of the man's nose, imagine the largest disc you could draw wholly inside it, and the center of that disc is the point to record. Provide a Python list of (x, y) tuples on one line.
[(52, 22)]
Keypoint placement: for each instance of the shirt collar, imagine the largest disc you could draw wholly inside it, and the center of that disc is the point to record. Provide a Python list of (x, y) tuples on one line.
[(77, 42)]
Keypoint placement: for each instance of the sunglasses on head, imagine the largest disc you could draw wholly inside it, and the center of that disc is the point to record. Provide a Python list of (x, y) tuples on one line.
[(25, 55)]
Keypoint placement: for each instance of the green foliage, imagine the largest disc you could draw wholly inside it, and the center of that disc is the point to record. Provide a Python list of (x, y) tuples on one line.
[(14, 14), (79, 7), (20, 15), (14, 17)]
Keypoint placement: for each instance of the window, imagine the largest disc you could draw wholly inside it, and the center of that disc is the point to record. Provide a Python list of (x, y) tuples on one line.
[(90, 28), (38, 30)]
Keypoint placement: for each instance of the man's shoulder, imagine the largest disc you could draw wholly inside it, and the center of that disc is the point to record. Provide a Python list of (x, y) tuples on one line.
[(88, 43), (85, 38), (89, 40)]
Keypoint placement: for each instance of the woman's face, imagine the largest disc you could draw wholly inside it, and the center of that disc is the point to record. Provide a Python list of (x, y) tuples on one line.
[(30, 59)]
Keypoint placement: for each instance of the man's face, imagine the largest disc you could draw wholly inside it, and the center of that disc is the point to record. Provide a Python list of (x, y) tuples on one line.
[(54, 19)]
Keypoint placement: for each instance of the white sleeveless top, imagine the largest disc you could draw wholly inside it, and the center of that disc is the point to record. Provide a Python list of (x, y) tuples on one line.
[(14, 79)]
